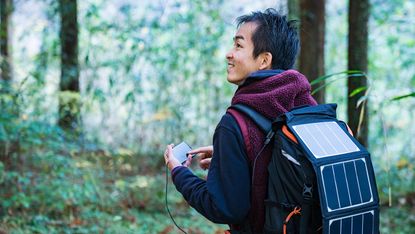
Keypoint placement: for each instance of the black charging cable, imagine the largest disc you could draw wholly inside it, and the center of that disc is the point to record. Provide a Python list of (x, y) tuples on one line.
[(167, 205)]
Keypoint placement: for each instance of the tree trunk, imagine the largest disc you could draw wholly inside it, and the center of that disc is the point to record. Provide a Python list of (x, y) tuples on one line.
[(312, 17), (69, 83), (6, 8), (6, 145), (294, 14), (357, 60)]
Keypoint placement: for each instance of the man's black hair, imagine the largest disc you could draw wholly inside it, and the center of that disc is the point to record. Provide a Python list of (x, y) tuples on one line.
[(274, 34)]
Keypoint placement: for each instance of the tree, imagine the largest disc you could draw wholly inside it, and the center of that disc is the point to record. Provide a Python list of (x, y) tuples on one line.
[(8, 143), (294, 14), (6, 7), (311, 61), (357, 60), (69, 83)]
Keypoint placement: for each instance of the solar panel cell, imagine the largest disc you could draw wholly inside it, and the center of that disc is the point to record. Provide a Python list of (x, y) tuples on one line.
[(358, 224), (346, 225), (368, 221), (330, 188), (335, 227), (341, 182), (362, 223), (346, 184), (362, 174), (353, 183)]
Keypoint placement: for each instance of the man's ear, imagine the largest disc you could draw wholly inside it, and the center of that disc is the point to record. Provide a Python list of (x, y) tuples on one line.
[(265, 61)]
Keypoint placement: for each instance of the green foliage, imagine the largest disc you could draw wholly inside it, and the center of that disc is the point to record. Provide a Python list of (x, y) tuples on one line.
[(55, 183), (403, 96), (397, 219), (330, 78), (153, 73)]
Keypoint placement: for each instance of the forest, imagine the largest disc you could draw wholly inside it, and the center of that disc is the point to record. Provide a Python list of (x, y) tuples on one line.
[(92, 91)]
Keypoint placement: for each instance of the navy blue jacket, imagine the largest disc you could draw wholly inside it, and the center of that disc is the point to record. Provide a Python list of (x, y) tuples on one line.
[(225, 196)]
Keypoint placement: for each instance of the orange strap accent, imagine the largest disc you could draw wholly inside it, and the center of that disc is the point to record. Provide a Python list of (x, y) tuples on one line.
[(350, 130), (288, 134), (296, 211)]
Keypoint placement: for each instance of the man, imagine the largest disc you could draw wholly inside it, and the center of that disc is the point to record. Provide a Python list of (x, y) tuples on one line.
[(265, 48)]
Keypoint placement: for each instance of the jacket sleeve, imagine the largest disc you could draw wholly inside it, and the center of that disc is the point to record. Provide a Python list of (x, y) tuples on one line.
[(225, 196)]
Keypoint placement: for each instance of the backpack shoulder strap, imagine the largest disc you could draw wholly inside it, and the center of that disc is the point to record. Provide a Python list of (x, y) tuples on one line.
[(261, 121), (238, 116)]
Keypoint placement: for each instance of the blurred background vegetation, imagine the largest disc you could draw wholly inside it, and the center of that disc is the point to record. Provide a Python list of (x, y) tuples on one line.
[(92, 91)]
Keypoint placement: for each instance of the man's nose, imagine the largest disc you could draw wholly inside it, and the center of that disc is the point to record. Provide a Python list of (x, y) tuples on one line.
[(229, 55)]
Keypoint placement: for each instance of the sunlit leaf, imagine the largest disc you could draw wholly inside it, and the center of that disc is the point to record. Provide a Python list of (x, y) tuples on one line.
[(329, 79), (350, 73), (403, 96), (361, 100), (357, 91)]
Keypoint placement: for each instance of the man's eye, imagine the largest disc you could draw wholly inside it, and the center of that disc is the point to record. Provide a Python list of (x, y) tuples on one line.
[(237, 45)]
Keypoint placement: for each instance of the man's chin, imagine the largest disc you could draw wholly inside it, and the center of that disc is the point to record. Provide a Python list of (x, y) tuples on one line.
[(230, 80), (235, 81)]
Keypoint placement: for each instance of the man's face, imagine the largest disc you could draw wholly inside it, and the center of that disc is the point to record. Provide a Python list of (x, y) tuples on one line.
[(240, 58)]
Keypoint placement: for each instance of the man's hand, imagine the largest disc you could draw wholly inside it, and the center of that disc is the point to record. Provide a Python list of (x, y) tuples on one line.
[(205, 154), (169, 158)]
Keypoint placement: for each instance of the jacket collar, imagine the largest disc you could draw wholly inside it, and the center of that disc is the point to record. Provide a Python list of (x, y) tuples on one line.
[(261, 74)]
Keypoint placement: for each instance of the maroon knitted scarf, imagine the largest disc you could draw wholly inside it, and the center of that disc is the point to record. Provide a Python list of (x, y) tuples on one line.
[(271, 96)]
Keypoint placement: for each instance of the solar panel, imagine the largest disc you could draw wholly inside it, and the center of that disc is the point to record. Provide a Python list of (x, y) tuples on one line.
[(325, 139), (363, 223), (346, 184)]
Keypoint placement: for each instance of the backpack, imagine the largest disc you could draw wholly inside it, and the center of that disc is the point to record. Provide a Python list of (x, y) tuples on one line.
[(321, 179)]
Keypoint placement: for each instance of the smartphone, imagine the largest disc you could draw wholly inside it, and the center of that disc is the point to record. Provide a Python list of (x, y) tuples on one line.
[(180, 152)]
